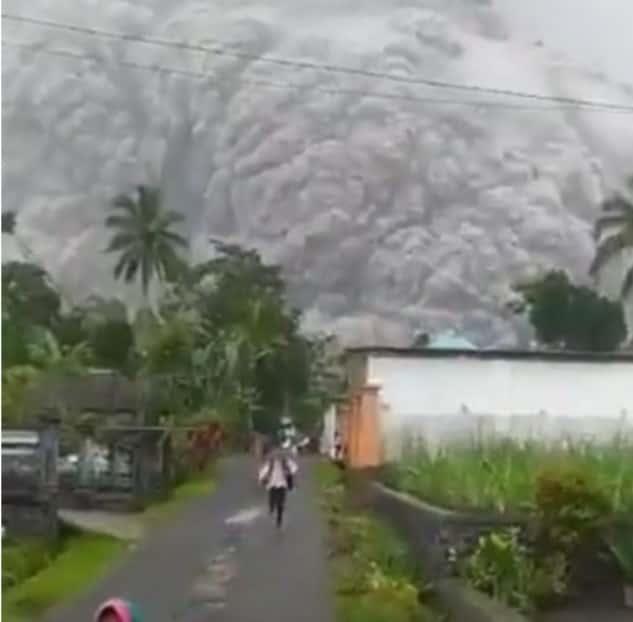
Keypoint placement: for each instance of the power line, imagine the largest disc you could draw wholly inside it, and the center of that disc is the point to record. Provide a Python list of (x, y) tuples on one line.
[(317, 66), (160, 69)]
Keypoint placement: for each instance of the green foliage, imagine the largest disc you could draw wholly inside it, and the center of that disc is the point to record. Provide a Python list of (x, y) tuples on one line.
[(144, 238), (28, 296), (237, 345), (504, 568), (22, 559), (502, 475), (223, 343), (83, 559), (621, 546), (112, 344), (70, 329), (16, 381), (572, 317), (571, 507), (15, 343), (375, 580)]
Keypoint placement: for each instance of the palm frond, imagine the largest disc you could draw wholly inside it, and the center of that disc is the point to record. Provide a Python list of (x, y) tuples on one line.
[(121, 241), (149, 201), (147, 269), (175, 238), (169, 217), (617, 211), (124, 202), (123, 262), (118, 221), (627, 285), (131, 268), (610, 248)]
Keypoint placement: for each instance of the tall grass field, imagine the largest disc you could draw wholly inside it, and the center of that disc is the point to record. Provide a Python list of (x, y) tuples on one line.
[(501, 475)]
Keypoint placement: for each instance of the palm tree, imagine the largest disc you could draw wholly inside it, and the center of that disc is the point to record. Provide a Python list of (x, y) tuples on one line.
[(617, 222), (144, 238)]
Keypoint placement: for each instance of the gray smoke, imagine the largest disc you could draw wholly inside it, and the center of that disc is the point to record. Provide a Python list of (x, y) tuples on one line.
[(389, 215)]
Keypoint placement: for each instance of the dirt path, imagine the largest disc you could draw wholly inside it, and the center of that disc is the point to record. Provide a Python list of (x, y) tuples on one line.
[(222, 560)]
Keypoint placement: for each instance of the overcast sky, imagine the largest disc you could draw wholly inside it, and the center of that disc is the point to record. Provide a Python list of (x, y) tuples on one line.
[(598, 33)]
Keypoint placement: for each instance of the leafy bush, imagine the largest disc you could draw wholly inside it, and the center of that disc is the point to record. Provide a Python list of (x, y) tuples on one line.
[(504, 568), (571, 508)]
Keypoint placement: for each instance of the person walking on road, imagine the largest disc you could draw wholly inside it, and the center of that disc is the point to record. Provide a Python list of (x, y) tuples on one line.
[(277, 475)]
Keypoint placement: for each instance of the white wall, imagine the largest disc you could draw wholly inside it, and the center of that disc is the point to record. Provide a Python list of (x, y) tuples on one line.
[(329, 431), (447, 398)]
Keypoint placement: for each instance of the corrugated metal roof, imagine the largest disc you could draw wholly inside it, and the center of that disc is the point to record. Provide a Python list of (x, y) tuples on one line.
[(450, 341), (20, 437)]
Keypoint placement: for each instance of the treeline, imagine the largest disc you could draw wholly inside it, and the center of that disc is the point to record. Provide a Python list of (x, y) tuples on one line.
[(221, 336)]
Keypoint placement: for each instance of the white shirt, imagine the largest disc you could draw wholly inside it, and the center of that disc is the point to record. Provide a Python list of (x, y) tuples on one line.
[(277, 478)]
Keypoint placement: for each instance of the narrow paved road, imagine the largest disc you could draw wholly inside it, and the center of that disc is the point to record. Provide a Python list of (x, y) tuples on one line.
[(222, 560)]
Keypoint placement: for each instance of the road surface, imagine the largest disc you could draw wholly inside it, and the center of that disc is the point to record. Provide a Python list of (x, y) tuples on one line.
[(222, 560)]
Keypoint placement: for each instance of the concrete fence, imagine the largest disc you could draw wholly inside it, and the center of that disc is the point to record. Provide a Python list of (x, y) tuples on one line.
[(432, 534)]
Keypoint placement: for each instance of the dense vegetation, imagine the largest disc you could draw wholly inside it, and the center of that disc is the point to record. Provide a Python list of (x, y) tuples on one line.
[(502, 475), (571, 317), (219, 335), (374, 576)]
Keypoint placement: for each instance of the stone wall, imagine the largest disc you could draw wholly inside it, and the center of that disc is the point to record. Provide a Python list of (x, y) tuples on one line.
[(431, 533)]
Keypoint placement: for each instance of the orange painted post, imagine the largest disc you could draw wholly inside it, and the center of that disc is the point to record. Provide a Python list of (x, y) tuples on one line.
[(369, 447)]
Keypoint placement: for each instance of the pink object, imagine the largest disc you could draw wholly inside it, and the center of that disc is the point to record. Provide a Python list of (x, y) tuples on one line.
[(118, 606)]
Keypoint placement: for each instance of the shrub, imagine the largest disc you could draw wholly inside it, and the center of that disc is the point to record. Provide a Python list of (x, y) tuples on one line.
[(504, 568), (571, 508)]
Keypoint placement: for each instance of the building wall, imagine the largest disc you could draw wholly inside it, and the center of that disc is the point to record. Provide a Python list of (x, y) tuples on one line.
[(443, 399), (329, 432)]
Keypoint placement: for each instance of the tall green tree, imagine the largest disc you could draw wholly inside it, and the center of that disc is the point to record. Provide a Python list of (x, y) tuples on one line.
[(145, 238), (571, 317), (614, 233), (28, 295)]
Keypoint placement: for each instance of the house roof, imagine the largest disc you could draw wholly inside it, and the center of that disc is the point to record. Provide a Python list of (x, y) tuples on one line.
[(450, 341), (537, 355), (106, 392)]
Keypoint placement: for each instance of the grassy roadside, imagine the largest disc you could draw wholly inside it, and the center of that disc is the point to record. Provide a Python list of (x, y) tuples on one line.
[(198, 486), (83, 557), (374, 578)]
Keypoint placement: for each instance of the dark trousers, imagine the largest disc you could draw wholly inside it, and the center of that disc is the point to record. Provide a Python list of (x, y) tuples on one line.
[(277, 503)]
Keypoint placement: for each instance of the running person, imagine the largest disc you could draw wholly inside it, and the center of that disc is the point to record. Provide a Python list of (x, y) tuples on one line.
[(277, 474)]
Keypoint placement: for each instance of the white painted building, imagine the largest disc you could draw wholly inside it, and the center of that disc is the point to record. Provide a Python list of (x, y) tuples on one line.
[(328, 436), (443, 395)]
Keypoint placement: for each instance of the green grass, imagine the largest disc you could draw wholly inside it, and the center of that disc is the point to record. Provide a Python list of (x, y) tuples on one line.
[(84, 559), (22, 559), (374, 576), (198, 486), (501, 476)]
